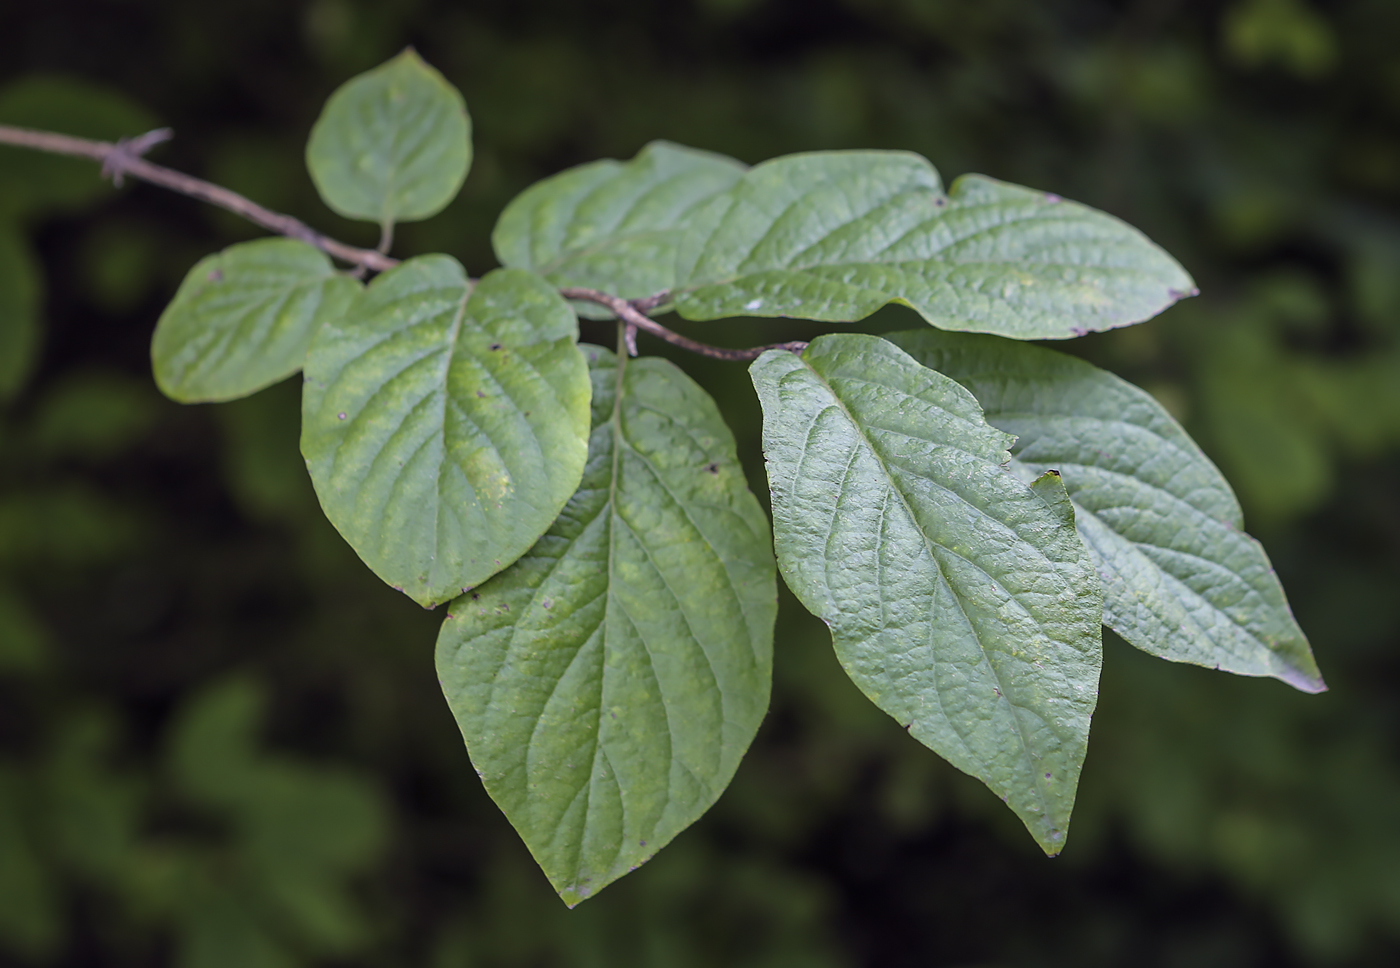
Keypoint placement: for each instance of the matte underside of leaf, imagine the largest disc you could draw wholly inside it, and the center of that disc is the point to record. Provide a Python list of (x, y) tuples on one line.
[(244, 318), (445, 426), (608, 683), (611, 225), (1181, 579), (392, 144), (836, 235), (960, 600)]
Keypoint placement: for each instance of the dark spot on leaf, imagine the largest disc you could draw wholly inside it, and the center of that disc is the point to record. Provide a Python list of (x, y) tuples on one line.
[(940, 201), (547, 603), (712, 467), (1047, 776), (503, 607), (475, 596), (908, 727), (495, 346), (341, 416), (613, 715), (1079, 331), (216, 276), (1053, 471), (449, 616), (480, 394), (641, 843)]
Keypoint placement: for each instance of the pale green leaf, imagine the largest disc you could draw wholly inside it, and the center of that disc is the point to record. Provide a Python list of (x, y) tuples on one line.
[(610, 681), (836, 235), (445, 425), (611, 225), (20, 286), (243, 319), (1181, 579), (391, 145), (961, 601)]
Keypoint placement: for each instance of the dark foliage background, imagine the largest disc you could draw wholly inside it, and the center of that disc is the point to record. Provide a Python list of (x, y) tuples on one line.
[(221, 740)]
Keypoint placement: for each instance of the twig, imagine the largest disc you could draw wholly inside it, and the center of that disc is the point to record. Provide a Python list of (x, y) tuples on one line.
[(632, 316), (124, 158)]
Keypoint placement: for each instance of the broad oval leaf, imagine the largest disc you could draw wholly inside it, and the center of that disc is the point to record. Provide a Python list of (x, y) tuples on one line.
[(836, 235), (391, 145), (445, 425), (611, 225), (960, 601), (243, 319), (609, 682), (21, 283), (1181, 578)]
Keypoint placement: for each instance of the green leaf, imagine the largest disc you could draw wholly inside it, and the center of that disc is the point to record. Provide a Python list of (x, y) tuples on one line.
[(608, 684), (1181, 579), (445, 425), (836, 235), (609, 225), (20, 285), (244, 318), (391, 145), (960, 600)]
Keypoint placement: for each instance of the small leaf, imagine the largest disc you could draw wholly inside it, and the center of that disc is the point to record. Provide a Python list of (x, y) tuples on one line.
[(608, 683), (444, 425), (244, 318), (20, 287), (836, 235), (391, 145), (1181, 579), (609, 225), (960, 600)]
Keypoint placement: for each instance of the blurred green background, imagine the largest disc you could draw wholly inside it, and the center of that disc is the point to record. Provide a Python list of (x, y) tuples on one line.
[(221, 740)]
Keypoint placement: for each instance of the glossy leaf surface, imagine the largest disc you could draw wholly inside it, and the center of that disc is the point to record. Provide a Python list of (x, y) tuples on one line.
[(960, 600), (611, 225), (1181, 579), (608, 683), (244, 318), (391, 145), (836, 235), (445, 425)]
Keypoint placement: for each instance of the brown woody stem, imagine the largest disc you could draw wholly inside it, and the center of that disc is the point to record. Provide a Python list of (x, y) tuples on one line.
[(632, 316), (125, 158)]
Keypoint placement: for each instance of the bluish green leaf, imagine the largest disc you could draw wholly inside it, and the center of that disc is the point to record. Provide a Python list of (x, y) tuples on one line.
[(243, 319), (836, 235), (1181, 579), (608, 683), (611, 225), (445, 425), (391, 145), (20, 286), (961, 601)]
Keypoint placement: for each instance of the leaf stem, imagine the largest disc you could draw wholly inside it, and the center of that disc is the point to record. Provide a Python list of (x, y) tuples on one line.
[(630, 314), (124, 158)]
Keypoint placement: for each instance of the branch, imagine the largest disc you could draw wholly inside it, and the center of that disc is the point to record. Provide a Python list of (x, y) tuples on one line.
[(633, 317), (124, 158)]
